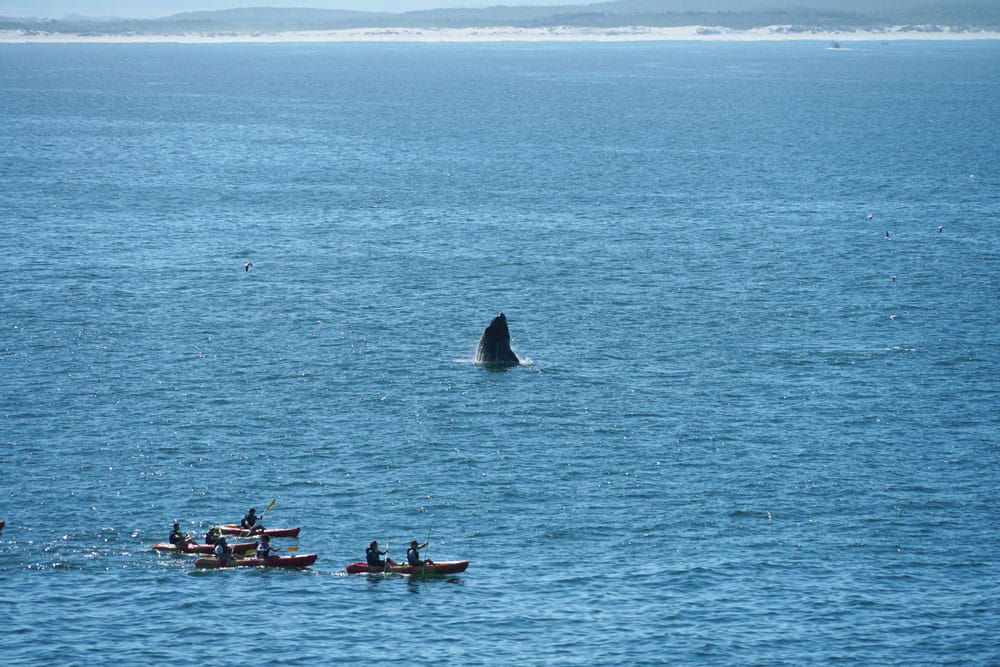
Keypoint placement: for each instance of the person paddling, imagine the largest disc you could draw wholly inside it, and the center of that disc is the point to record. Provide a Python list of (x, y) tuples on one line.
[(372, 554), (223, 552), (250, 522), (264, 547), (212, 536), (413, 555), (177, 538)]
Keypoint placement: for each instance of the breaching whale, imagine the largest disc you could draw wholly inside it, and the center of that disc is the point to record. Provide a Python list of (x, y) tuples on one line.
[(494, 345)]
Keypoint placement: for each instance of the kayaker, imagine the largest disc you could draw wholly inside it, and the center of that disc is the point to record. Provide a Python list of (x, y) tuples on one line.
[(249, 522), (223, 552), (212, 536), (264, 547), (372, 554), (413, 555), (177, 538)]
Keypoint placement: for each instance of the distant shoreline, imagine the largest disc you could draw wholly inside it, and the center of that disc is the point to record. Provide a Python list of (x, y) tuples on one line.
[(502, 34)]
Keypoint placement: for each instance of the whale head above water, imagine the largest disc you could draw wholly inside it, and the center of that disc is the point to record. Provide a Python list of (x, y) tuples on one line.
[(494, 344)]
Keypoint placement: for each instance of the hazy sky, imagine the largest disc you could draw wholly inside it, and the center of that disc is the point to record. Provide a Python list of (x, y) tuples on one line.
[(154, 8)]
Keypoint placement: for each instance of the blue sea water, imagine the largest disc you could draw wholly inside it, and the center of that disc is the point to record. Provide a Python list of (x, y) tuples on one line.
[(750, 429)]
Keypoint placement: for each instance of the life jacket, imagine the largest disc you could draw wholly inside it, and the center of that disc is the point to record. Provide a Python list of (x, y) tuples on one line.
[(413, 556)]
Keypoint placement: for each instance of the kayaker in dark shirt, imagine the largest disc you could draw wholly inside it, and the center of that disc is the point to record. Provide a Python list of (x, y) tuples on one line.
[(250, 522), (413, 555), (177, 538), (264, 547), (223, 551), (212, 536), (372, 554)]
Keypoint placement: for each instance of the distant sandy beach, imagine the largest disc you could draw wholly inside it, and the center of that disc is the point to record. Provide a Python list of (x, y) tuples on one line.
[(502, 34)]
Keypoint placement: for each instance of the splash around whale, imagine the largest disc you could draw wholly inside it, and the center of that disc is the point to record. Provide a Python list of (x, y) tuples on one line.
[(494, 345)]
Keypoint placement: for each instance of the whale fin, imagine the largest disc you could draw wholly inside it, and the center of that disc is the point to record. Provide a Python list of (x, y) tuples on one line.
[(494, 344)]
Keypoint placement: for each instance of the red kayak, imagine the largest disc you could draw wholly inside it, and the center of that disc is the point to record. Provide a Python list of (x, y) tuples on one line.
[(234, 529), (193, 548), (430, 570), (303, 560)]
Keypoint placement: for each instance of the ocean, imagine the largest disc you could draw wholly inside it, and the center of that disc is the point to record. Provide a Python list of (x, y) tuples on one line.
[(755, 287)]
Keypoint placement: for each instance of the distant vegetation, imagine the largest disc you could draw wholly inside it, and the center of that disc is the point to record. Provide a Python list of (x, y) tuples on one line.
[(802, 15)]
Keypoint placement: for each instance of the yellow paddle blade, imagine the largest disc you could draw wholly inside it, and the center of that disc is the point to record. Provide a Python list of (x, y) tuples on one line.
[(271, 504)]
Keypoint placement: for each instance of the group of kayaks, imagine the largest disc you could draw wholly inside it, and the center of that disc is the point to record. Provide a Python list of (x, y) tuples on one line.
[(244, 555)]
